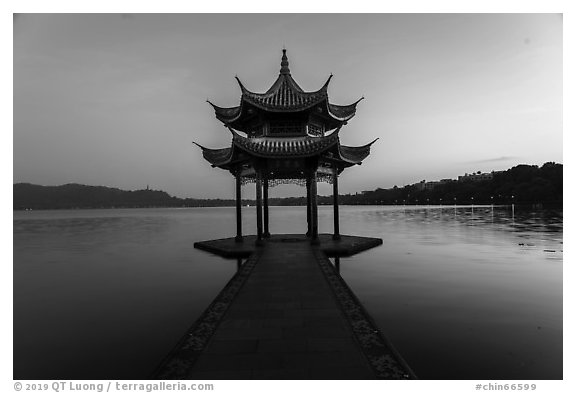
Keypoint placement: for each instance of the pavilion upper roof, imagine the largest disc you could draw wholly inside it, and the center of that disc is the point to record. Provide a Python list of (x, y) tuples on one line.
[(285, 96)]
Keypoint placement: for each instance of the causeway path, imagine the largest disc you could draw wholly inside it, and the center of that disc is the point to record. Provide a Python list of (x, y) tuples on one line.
[(286, 314), (285, 323)]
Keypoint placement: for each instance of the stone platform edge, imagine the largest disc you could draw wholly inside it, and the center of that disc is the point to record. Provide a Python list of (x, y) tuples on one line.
[(347, 245)]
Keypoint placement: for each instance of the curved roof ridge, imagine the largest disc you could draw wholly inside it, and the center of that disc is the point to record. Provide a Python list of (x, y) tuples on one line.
[(226, 114), (371, 143), (275, 86), (242, 88), (216, 157), (285, 94), (361, 147), (217, 107), (355, 154), (343, 112), (199, 145), (284, 80), (290, 81), (325, 85)]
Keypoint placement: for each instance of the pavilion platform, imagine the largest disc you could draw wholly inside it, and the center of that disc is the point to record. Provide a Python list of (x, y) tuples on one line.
[(345, 247), (286, 314)]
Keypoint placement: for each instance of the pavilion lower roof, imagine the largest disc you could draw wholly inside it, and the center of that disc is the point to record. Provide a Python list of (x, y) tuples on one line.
[(267, 147), (243, 149)]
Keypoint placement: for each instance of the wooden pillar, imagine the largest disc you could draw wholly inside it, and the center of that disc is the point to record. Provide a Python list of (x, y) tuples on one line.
[(266, 216), (336, 235), (238, 207), (258, 210), (314, 205), (308, 207)]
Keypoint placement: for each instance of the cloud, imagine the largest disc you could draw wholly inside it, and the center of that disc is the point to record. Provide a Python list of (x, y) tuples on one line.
[(495, 159)]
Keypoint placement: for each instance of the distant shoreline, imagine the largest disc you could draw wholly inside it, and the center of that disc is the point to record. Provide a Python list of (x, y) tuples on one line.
[(445, 206), (520, 185)]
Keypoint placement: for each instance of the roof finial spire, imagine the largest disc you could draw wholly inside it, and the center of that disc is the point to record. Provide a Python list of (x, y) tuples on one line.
[(284, 64)]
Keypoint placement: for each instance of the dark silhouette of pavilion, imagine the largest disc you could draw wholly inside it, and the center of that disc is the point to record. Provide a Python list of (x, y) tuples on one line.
[(291, 136)]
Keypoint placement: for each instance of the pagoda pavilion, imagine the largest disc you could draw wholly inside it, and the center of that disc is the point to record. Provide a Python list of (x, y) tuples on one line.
[(285, 135)]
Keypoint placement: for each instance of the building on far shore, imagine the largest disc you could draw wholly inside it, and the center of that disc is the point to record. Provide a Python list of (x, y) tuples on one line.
[(430, 185), (475, 177), (478, 176)]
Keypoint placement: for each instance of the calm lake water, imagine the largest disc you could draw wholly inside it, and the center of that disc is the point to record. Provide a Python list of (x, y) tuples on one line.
[(462, 293)]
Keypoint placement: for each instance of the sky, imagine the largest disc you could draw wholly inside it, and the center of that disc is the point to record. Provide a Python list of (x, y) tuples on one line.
[(117, 100)]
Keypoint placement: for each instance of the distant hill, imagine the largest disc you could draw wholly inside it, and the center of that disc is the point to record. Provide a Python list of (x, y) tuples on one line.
[(529, 184), (78, 196), (522, 184)]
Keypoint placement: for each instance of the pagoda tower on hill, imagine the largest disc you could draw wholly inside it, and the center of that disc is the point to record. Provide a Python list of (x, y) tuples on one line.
[(285, 135)]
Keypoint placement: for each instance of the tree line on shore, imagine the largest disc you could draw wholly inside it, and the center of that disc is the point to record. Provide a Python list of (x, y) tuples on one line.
[(522, 184)]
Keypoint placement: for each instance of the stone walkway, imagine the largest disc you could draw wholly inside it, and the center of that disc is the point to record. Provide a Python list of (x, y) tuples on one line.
[(284, 324), (286, 314)]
